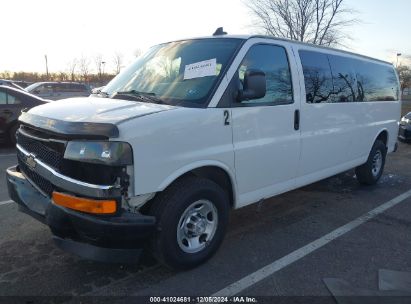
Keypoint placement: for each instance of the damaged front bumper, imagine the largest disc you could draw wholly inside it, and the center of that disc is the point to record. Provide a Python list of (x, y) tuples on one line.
[(67, 183), (114, 238)]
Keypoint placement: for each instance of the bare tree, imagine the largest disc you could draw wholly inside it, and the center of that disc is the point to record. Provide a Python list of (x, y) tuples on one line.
[(84, 65), (319, 22), (62, 76), (71, 68), (118, 61), (404, 73)]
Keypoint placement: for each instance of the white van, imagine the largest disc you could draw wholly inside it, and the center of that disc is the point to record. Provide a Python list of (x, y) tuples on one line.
[(193, 129)]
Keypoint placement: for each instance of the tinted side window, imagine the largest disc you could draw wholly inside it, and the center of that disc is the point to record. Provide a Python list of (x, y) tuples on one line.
[(317, 77), (344, 79), (376, 82), (70, 87), (273, 61), (59, 87), (332, 78), (3, 98), (12, 99), (79, 88), (76, 87)]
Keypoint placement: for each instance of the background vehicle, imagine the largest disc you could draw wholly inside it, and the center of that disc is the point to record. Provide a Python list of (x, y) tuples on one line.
[(14, 84), (12, 102), (58, 90), (194, 128), (405, 128)]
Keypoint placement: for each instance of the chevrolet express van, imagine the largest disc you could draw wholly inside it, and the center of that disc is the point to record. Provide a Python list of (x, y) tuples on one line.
[(196, 128)]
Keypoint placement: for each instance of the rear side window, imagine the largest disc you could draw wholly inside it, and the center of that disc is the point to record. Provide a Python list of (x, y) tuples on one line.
[(273, 61), (71, 87), (59, 87), (339, 79), (344, 79), (79, 88), (376, 82), (3, 98), (317, 77), (8, 99), (12, 99)]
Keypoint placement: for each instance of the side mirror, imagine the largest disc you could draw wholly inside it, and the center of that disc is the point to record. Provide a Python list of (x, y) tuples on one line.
[(254, 85)]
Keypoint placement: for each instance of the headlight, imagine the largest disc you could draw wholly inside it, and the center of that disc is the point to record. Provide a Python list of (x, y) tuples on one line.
[(100, 152), (405, 120)]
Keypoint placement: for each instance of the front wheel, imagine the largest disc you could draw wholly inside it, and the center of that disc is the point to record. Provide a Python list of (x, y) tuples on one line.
[(192, 215), (371, 171)]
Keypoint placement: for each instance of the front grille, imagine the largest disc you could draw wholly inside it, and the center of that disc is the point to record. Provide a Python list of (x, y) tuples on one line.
[(49, 149), (42, 150), (39, 181), (49, 152)]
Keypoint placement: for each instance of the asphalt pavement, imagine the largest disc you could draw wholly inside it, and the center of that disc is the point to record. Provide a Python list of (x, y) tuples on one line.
[(259, 235)]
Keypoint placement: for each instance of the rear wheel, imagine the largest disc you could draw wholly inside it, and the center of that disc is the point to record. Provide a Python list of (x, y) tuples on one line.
[(371, 171), (192, 215)]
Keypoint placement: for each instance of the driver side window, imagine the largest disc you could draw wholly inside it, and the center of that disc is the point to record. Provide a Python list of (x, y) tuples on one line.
[(273, 61)]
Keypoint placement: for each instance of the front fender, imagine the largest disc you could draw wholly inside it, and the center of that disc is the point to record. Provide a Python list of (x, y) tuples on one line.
[(196, 165)]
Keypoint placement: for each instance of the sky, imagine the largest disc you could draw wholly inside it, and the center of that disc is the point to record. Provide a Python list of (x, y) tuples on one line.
[(68, 29)]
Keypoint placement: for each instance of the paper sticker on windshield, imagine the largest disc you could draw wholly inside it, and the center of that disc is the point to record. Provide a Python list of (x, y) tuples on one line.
[(201, 69)]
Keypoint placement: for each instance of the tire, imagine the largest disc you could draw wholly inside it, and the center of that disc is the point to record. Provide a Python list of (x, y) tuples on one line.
[(371, 171), (12, 134), (175, 243)]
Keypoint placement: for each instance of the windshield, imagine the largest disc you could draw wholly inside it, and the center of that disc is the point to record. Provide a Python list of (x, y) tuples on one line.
[(178, 73), (32, 87)]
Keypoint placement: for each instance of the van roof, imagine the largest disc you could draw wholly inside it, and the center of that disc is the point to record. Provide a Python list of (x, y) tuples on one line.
[(58, 82), (246, 37)]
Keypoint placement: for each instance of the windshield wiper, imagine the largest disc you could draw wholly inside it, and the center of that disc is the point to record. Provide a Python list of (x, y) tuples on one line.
[(139, 96)]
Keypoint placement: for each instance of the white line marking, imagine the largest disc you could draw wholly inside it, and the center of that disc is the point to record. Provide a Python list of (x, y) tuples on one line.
[(6, 202), (294, 256)]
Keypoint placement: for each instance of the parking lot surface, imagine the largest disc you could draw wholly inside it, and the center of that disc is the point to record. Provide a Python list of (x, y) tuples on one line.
[(30, 264)]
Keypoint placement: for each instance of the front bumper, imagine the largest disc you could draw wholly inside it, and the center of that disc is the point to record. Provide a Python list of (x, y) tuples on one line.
[(117, 238)]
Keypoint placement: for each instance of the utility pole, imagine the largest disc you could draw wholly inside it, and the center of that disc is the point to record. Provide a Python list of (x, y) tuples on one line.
[(102, 73), (104, 64), (398, 56), (47, 67)]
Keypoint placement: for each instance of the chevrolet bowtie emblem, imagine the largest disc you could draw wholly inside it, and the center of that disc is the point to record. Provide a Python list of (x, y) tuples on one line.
[(31, 163)]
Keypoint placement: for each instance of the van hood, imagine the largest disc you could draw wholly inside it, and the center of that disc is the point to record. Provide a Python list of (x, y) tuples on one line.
[(97, 109), (88, 116)]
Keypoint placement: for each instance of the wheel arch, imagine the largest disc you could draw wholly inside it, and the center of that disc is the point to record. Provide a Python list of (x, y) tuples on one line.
[(215, 171), (383, 135)]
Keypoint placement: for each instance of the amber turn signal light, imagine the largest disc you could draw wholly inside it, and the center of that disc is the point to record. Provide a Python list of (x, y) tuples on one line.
[(84, 204)]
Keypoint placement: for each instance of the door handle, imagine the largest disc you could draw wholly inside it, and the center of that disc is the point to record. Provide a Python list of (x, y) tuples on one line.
[(297, 120)]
